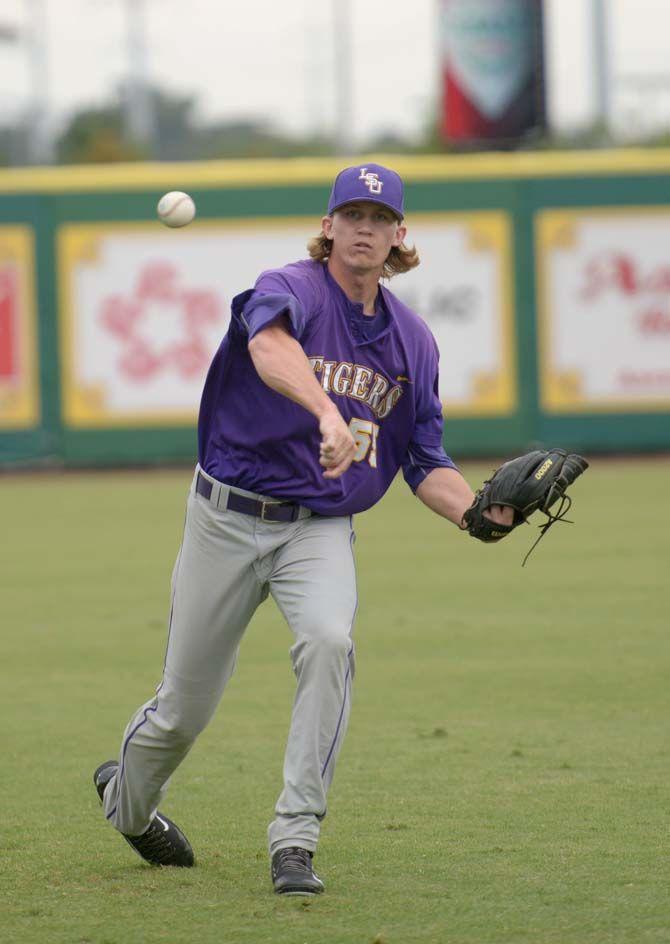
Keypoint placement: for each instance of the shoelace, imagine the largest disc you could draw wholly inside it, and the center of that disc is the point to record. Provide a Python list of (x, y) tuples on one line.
[(563, 509), (295, 858), (155, 843)]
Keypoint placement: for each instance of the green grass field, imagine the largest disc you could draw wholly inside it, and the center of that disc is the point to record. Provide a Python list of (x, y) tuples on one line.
[(505, 777)]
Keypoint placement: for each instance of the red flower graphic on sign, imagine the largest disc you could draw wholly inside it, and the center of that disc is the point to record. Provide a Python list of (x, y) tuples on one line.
[(182, 316)]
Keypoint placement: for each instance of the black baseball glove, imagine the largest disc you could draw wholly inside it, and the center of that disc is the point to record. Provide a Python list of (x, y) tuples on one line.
[(529, 483)]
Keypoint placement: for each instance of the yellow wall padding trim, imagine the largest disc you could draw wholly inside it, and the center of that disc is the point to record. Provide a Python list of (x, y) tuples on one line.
[(301, 171)]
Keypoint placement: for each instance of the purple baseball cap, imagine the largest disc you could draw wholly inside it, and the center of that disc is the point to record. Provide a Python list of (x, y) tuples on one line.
[(369, 182)]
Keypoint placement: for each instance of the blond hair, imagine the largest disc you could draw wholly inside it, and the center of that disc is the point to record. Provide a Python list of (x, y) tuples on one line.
[(400, 259)]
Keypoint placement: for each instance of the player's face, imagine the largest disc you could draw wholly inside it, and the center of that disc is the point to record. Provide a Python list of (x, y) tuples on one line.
[(363, 234)]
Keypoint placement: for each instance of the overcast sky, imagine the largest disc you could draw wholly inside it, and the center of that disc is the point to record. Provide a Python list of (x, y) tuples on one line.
[(273, 59)]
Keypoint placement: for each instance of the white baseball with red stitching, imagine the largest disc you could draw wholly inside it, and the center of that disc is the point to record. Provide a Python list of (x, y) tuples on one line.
[(176, 209)]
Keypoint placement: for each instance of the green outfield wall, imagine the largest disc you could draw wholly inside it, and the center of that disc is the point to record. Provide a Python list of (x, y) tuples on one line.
[(545, 279)]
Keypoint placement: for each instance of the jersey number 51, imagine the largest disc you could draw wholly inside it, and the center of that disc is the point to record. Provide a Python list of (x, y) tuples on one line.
[(365, 435)]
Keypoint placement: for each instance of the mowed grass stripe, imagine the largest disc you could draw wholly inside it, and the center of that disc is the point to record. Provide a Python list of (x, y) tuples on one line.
[(504, 778)]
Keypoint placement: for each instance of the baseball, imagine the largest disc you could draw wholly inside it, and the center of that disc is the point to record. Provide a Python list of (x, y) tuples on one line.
[(176, 209)]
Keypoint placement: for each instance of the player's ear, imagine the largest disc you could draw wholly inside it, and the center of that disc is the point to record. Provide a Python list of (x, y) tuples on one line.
[(400, 234), (326, 226)]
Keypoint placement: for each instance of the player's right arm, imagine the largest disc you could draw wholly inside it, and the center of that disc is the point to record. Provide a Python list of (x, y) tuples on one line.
[(281, 364)]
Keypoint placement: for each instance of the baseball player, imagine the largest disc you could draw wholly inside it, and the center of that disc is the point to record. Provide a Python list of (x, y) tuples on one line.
[(324, 386)]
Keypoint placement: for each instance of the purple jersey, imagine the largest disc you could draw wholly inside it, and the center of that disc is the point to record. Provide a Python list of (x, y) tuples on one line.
[(385, 387)]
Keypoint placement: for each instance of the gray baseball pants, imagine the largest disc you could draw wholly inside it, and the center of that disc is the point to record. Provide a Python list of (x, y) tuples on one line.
[(227, 565)]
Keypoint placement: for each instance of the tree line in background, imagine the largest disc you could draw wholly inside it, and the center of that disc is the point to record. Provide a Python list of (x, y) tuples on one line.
[(98, 135)]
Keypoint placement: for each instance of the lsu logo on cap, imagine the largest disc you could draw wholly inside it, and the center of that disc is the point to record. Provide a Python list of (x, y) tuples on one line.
[(372, 181)]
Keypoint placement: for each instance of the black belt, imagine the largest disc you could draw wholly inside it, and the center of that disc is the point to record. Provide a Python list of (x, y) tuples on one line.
[(266, 510)]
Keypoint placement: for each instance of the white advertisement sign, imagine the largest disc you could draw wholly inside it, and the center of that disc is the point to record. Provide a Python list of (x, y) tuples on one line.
[(604, 309), (143, 310), (463, 290)]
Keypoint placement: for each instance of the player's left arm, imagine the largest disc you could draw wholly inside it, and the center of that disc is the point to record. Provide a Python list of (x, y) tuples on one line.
[(445, 491), (428, 470)]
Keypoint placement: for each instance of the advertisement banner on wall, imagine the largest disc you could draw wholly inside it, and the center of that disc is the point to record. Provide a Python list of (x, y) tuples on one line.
[(604, 309), (142, 311), (19, 393), (463, 290)]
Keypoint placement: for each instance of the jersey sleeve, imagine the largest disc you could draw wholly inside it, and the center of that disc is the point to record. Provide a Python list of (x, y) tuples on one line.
[(258, 310), (275, 294), (426, 450)]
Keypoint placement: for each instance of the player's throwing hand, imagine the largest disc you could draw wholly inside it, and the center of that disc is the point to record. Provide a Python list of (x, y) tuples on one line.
[(338, 446)]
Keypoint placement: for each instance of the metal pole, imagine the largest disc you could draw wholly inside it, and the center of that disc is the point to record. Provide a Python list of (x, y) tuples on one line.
[(40, 143), (601, 64), (342, 72), (9, 33), (139, 112)]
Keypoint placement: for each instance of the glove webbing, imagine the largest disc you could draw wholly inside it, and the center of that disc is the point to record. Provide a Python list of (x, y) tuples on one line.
[(563, 509)]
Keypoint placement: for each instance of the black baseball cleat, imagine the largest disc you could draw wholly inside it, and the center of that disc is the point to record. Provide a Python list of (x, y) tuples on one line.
[(292, 872), (163, 843)]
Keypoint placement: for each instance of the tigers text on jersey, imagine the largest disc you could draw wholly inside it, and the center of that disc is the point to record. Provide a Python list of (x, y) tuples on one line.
[(381, 372)]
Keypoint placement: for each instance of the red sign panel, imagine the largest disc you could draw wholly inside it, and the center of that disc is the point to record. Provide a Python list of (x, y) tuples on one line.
[(8, 324)]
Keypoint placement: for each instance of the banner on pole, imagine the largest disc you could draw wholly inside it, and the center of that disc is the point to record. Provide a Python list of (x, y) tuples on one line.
[(492, 69)]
